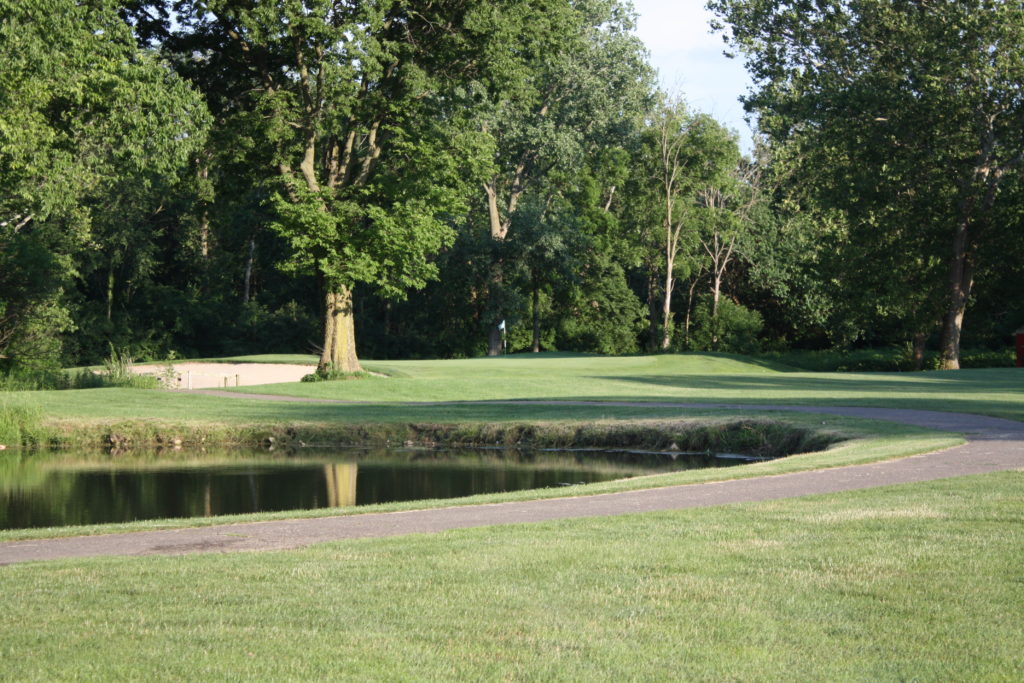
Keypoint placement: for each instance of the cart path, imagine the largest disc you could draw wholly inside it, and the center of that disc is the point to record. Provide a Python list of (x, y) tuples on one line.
[(993, 445)]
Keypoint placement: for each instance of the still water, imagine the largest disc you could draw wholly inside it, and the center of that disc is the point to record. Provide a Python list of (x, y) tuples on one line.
[(62, 489)]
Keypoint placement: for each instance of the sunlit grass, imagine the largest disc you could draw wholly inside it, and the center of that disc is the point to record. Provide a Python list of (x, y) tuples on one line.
[(687, 378)]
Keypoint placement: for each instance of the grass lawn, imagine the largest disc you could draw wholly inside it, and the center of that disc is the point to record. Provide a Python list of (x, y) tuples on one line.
[(911, 582), (695, 378), (918, 581)]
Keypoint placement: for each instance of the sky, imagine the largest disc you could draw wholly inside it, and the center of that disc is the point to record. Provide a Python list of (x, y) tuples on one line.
[(690, 62)]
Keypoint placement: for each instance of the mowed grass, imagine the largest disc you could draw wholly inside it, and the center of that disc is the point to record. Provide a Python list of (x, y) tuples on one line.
[(681, 378), (909, 582), (693, 378)]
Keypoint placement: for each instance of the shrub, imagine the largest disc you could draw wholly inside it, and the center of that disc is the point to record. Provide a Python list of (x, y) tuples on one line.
[(733, 330), (24, 379), (882, 360), (20, 424), (117, 373), (328, 373), (988, 359)]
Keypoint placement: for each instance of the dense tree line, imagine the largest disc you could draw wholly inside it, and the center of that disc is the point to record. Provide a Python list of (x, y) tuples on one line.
[(437, 178)]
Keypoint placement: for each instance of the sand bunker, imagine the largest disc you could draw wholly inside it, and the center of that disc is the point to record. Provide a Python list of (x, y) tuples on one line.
[(220, 375)]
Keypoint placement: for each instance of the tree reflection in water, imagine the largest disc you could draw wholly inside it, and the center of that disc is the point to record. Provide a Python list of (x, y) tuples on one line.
[(62, 489)]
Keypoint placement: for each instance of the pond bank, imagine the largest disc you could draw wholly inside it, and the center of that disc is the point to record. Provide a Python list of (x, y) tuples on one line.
[(758, 437)]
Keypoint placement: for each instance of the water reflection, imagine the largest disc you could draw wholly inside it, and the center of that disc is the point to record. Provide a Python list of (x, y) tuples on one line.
[(40, 489)]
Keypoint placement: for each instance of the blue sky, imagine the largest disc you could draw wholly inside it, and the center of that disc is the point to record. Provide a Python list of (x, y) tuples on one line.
[(690, 62)]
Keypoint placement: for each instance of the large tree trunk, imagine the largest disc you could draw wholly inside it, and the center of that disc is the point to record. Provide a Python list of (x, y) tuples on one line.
[(499, 230), (494, 341), (974, 213), (494, 335), (339, 332)]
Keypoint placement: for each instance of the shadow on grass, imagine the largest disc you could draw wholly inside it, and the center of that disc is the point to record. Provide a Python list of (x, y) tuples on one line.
[(968, 381), (590, 408), (956, 391)]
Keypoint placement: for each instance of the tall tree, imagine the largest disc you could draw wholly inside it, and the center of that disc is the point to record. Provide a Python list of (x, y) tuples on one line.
[(728, 217), (907, 103), (557, 81), (92, 133), (367, 141), (689, 152)]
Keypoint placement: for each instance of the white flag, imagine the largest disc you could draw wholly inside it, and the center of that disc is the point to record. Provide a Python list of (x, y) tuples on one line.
[(501, 326)]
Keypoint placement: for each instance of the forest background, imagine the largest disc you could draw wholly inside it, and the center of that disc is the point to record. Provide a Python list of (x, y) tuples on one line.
[(456, 178)]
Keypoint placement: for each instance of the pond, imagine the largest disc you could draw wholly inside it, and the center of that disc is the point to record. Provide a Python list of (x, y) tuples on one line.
[(62, 489)]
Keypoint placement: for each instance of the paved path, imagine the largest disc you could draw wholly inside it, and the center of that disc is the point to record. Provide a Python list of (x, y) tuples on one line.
[(993, 445)]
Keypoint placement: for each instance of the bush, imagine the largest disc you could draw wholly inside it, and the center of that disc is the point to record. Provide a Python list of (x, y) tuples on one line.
[(23, 379), (117, 373), (19, 425), (883, 360), (328, 373), (988, 359), (733, 330)]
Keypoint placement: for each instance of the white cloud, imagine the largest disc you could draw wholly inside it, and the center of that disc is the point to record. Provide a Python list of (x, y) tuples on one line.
[(671, 24), (689, 59)]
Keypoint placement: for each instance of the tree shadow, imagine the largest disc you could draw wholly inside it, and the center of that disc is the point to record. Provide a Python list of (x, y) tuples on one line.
[(948, 392)]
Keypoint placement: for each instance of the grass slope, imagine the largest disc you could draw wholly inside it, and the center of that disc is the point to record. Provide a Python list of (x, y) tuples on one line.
[(703, 378), (911, 582), (695, 378)]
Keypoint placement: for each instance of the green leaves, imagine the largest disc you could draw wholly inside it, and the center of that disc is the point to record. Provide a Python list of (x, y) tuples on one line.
[(907, 118), (92, 133)]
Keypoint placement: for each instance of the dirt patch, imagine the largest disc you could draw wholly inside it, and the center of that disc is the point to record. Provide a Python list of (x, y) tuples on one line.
[(219, 375)]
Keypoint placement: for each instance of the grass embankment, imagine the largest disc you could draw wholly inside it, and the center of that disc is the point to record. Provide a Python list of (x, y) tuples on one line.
[(909, 582)]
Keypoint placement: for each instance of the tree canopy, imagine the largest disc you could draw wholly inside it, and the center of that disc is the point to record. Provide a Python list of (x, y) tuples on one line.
[(907, 117), (454, 178)]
